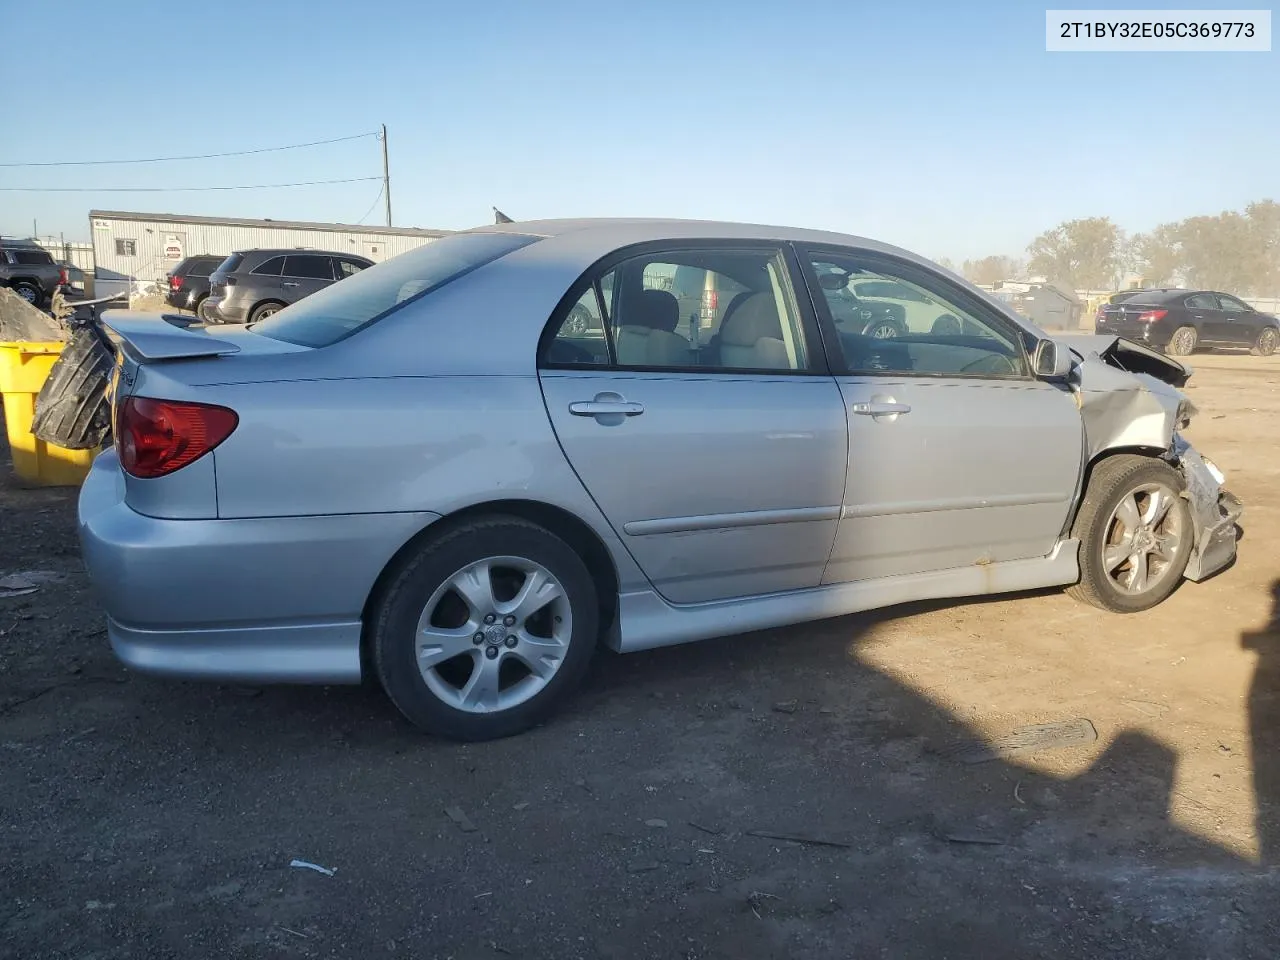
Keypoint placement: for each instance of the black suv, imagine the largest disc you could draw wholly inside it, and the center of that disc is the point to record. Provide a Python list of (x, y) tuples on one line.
[(189, 283), (253, 284), (1179, 321), (30, 272)]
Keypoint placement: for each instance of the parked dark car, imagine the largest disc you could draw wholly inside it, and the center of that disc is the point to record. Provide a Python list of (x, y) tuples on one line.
[(251, 285), (30, 272), (1181, 321), (189, 283)]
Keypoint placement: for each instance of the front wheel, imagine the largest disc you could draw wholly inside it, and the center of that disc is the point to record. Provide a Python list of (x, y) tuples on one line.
[(882, 330), (1183, 342), (1265, 345), (486, 630), (1135, 533)]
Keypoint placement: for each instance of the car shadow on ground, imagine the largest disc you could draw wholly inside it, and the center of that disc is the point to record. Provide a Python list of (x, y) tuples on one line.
[(771, 794)]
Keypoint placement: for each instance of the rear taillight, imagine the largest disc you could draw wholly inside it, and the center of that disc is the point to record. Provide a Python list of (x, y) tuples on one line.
[(157, 437), (1151, 316), (175, 283), (1101, 315), (62, 277)]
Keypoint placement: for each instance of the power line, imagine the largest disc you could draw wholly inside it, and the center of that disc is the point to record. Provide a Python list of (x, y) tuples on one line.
[(246, 186), (374, 204), (198, 156)]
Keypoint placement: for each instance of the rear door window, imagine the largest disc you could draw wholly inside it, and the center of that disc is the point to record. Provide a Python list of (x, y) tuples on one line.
[(271, 268), (31, 257), (1202, 301), (341, 309), (308, 267)]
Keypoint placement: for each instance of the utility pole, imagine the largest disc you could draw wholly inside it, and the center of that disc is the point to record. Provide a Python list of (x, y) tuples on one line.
[(386, 175)]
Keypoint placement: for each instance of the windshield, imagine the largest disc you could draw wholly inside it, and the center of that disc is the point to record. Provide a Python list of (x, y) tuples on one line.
[(343, 308)]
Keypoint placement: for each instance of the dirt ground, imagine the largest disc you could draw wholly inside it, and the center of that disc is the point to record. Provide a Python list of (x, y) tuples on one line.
[(143, 818)]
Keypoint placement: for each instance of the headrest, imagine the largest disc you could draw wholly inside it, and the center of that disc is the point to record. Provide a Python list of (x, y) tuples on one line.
[(655, 309), (755, 317)]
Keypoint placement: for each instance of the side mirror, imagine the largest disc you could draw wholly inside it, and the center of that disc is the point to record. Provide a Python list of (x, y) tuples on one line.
[(1051, 361)]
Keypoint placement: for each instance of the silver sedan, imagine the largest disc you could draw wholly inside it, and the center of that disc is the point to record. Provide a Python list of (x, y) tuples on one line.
[(463, 470)]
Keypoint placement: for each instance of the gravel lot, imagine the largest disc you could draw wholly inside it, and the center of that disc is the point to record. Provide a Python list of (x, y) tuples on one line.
[(148, 819)]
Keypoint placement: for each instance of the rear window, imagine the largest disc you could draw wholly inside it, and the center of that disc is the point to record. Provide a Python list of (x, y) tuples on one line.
[(343, 308), (231, 264), (204, 267)]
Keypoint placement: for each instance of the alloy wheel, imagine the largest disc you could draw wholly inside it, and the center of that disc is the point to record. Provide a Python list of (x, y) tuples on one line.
[(494, 634), (1143, 539)]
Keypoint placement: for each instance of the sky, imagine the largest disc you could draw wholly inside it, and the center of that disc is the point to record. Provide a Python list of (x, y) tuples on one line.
[(945, 128)]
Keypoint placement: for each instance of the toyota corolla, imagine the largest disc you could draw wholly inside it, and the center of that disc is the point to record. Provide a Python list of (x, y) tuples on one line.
[(436, 473)]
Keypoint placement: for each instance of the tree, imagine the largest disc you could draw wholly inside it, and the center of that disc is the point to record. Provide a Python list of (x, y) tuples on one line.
[(990, 270), (1082, 254), (946, 263), (1264, 227), (1217, 252), (1157, 256)]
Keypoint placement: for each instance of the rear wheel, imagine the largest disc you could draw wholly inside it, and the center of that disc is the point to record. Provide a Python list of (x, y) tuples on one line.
[(200, 312), (486, 630), (29, 292), (1134, 528), (1265, 345), (1183, 342), (264, 310)]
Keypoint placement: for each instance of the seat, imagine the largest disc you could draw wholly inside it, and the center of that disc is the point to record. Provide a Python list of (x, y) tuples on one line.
[(947, 326), (750, 336), (647, 338)]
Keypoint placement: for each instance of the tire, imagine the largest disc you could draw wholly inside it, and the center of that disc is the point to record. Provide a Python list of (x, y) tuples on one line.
[(29, 292), (882, 330), (1265, 345), (1165, 548), (444, 698), (264, 310), (198, 309), (1183, 343)]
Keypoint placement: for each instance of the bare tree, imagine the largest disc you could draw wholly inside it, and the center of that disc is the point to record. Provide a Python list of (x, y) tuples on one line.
[(990, 270), (1083, 254)]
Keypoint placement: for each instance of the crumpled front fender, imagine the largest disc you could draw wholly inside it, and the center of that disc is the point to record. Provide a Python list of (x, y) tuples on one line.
[(1129, 400), (1214, 512)]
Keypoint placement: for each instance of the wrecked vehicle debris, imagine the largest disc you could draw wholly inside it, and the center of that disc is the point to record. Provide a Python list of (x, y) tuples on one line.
[(1129, 399)]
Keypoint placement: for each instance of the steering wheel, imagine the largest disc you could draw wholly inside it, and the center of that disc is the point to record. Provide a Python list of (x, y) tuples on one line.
[(994, 363)]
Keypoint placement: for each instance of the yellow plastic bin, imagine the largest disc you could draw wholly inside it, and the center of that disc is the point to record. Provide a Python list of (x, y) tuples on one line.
[(24, 367)]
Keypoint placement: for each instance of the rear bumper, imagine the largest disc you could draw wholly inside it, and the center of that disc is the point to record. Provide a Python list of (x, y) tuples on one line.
[(1152, 334), (272, 600), (225, 310)]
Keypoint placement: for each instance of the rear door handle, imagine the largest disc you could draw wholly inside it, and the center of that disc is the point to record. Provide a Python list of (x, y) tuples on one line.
[(605, 408), (289, 283), (879, 408)]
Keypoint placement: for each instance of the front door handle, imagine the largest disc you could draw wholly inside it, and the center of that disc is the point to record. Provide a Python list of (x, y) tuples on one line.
[(603, 408), (880, 408), (609, 408)]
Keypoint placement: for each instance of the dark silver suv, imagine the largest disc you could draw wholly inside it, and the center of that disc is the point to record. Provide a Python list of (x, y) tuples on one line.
[(253, 284)]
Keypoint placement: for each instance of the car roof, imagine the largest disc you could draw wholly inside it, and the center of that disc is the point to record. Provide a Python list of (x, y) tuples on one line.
[(277, 251), (638, 229)]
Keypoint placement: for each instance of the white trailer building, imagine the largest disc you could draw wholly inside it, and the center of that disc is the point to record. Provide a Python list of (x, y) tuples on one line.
[(131, 251)]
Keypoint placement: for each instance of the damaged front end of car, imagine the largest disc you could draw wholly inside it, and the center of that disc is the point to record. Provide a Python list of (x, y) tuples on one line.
[(1129, 399)]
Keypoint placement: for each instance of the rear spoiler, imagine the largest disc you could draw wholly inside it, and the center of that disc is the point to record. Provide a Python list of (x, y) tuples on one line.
[(166, 336)]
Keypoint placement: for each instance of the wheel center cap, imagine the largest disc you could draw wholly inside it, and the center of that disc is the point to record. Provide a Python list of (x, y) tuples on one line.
[(494, 634)]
